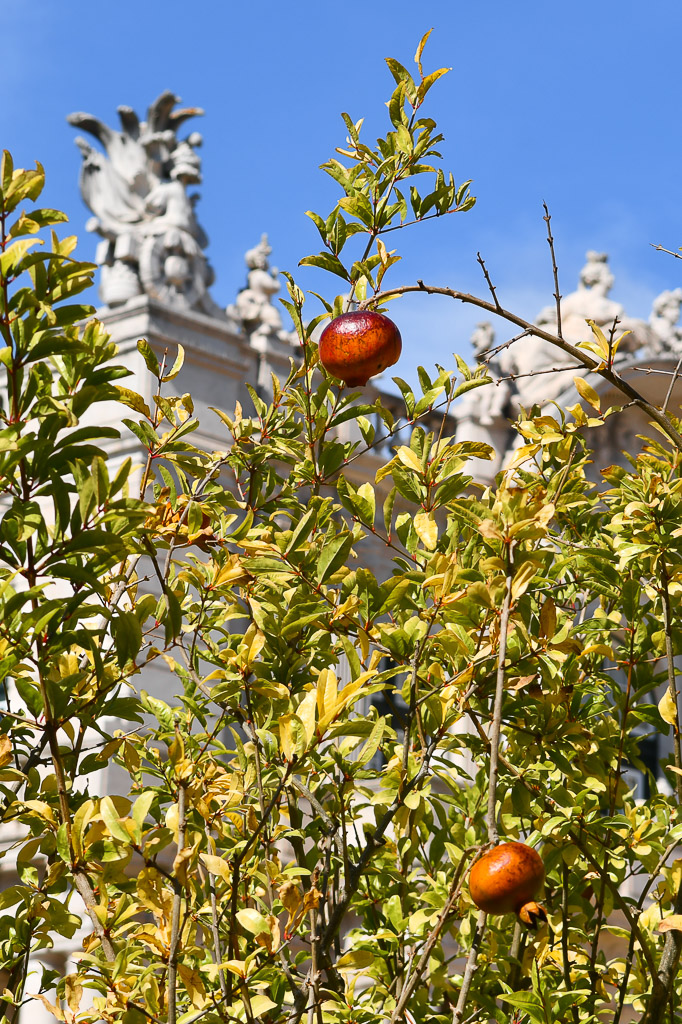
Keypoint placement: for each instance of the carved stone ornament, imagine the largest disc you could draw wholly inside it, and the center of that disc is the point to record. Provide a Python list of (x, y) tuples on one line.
[(531, 356), (533, 372), (254, 309), (136, 189), (665, 314)]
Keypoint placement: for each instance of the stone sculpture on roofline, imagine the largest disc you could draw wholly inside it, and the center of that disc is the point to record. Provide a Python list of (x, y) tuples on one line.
[(152, 243), (256, 314), (531, 372)]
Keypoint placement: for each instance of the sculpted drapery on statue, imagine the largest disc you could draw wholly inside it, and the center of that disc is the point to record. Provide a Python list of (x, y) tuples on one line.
[(137, 191)]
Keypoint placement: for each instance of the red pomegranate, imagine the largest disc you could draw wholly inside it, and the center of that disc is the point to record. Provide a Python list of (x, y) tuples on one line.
[(506, 880), (355, 346)]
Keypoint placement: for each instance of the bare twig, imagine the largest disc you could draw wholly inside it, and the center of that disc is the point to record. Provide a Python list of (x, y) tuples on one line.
[(672, 947), (470, 967), (175, 915), (555, 270), (578, 354), (660, 248), (491, 819), (434, 935), (215, 934), (674, 377), (488, 281), (566, 963)]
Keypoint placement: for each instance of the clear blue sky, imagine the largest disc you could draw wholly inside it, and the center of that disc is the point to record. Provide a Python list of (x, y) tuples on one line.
[(578, 103)]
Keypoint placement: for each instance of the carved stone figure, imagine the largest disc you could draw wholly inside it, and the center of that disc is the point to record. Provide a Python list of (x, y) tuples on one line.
[(254, 312), (589, 302), (665, 314), (491, 401), (137, 191), (254, 308)]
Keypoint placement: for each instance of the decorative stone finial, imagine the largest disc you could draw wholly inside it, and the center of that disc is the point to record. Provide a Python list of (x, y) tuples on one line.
[(137, 191), (254, 309), (665, 313)]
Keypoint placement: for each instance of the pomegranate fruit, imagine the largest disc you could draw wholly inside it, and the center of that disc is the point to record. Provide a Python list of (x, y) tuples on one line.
[(506, 879), (356, 346)]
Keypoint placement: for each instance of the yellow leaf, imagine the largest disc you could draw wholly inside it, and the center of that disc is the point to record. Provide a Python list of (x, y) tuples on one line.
[(290, 896), (5, 750), (548, 619), (522, 579), (672, 768), (522, 455), (489, 529), (216, 865), (356, 960), (350, 691), (252, 921), (587, 393), (237, 967), (311, 899), (269, 940), (327, 689), (409, 459), (194, 986), (73, 991), (261, 1005), (672, 923), (292, 737), (232, 572), (306, 712), (667, 707), (255, 647), (599, 649), (427, 529), (57, 1013), (601, 344), (181, 863), (173, 820)]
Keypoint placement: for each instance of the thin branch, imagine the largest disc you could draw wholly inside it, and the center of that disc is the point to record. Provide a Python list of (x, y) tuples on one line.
[(672, 947), (587, 361), (491, 818), (217, 951), (674, 377), (660, 248), (566, 963), (491, 286), (555, 271), (470, 967), (175, 915), (434, 935)]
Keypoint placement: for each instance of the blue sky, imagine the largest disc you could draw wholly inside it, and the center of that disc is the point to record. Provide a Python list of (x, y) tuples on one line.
[(577, 103)]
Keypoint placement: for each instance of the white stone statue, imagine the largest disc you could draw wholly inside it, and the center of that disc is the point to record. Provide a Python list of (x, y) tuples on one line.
[(137, 191), (589, 302), (490, 401), (255, 314), (665, 314), (254, 307)]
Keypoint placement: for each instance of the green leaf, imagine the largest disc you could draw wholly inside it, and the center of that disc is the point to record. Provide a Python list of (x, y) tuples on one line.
[(326, 261), (151, 362), (132, 400), (112, 820), (302, 531), (333, 556), (128, 636), (356, 960)]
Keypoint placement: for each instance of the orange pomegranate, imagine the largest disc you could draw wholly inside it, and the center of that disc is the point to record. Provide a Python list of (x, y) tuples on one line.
[(355, 346), (506, 879)]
